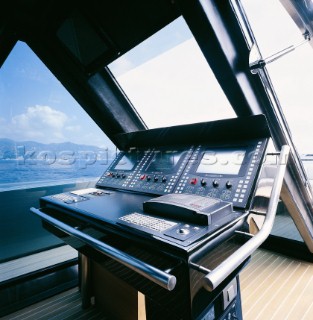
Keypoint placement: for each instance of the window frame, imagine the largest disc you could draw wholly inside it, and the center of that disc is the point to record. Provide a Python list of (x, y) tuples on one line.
[(297, 192)]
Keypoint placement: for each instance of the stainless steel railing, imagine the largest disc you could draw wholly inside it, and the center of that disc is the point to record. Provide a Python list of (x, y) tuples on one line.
[(157, 276), (222, 271)]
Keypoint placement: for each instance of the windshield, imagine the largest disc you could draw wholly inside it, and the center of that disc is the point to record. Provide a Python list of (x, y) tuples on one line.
[(45, 136), (168, 80)]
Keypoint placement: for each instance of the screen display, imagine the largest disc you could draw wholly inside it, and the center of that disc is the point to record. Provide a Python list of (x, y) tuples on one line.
[(127, 162), (164, 161), (221, 162)]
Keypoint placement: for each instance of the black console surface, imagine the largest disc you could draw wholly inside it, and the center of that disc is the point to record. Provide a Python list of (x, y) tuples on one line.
[(215, 160), (176, 196), (227, 172)]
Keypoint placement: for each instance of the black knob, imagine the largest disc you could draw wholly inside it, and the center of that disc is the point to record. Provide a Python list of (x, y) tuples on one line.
[(156, 178), (203, 182), (117, 175), (164, 179), (123, 175), (148, 178), (113, 175), (228, 184), (215, 183)]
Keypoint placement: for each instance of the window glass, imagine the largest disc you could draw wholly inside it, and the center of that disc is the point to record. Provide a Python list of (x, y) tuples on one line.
[(44, 134), (169, 81), (291, 76)]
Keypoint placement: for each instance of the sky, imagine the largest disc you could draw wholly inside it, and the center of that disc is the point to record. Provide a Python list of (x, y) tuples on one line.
[(34, 106), (167, 80)]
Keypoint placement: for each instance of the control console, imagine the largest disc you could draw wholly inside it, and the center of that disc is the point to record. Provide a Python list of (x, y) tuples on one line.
[(154, 171), (168, 198), (227, 172), (224, 172)]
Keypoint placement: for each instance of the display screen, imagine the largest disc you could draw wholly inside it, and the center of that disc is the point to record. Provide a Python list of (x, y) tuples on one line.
[(127, 162), (164, 161), (221, 162)]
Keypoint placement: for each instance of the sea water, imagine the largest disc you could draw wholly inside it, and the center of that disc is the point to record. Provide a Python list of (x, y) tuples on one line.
[(20, 172)]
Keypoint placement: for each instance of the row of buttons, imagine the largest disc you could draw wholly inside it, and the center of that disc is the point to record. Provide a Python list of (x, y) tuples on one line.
[(171, 184), (116, 175), (243, 184), (155, 178), (137, 172), (182, 184), (241, 191), (215, 183), (181, 168), (185, 178)]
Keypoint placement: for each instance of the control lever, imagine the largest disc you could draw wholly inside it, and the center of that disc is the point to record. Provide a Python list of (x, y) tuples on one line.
[(222, 271), (158, 276)]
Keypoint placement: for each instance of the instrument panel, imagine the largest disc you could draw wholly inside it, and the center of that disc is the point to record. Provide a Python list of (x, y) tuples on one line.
[(226, 172), (153, 171)]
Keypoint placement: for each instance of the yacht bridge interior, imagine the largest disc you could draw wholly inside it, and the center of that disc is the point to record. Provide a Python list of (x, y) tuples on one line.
[(156, 159)]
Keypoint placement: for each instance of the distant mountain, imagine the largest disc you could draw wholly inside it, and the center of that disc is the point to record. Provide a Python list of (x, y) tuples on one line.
[(10, 149), (7, 149)]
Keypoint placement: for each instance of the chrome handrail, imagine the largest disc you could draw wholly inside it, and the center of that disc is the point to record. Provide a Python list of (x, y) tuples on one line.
[(155, 275), (222, 271)]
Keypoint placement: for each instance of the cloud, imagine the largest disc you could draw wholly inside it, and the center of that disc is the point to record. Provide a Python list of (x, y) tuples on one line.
[(75, 128), (42, 115), (48, 125), (40, 123)]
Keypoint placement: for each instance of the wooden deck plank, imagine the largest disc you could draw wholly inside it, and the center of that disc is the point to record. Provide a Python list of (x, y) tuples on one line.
[(274, 286)]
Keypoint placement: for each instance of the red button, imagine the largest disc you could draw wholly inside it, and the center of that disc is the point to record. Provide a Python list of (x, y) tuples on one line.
[(194, 181), (142, 177)]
